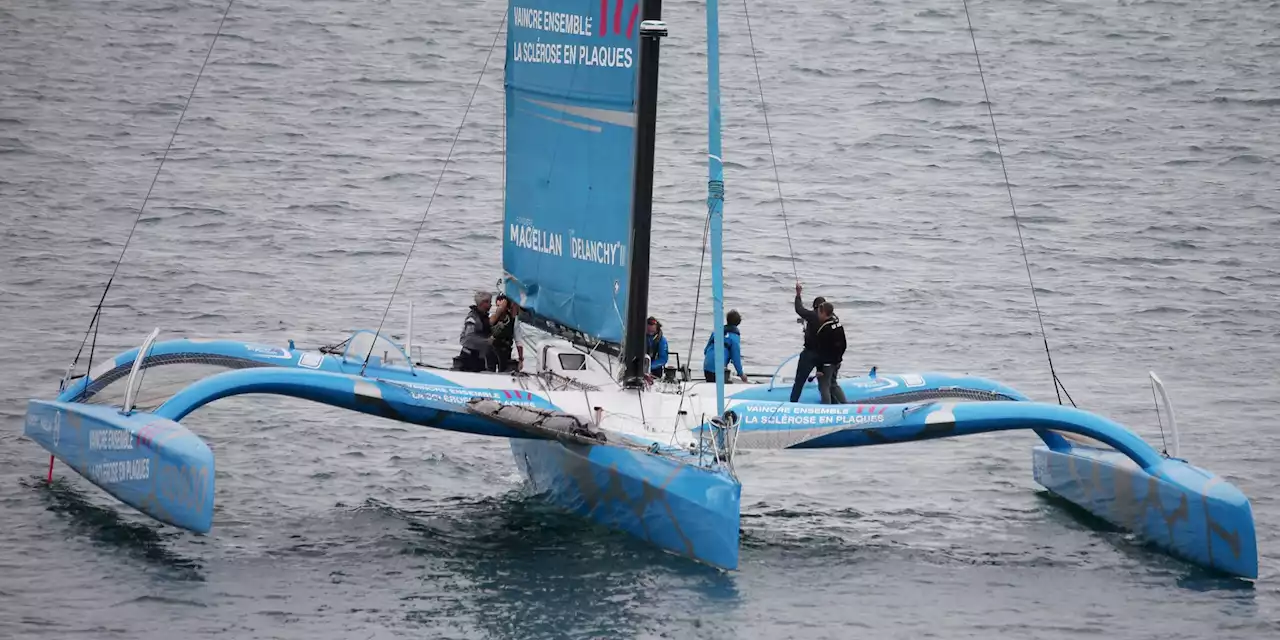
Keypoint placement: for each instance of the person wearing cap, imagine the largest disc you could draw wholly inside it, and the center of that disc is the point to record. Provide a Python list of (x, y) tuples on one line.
[(732, 348), (808, 359), (505, 321), (656, 346), (476, 337)]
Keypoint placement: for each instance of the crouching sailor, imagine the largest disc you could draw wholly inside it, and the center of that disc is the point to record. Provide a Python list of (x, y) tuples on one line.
[(476, 337)]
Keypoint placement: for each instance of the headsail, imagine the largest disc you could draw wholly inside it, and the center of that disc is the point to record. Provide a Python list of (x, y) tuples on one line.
[(570, 116)]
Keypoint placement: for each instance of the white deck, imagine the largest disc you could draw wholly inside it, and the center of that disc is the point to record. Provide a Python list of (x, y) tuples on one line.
[(583, 384)]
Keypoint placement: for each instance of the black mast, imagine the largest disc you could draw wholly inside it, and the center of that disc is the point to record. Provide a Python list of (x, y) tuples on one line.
[(652, 29)]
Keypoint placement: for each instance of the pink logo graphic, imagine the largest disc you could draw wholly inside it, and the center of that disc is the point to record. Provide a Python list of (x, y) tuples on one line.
[(617, 18)]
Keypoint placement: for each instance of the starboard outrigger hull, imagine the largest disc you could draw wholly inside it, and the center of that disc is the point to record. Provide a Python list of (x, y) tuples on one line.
[(1187, 511)]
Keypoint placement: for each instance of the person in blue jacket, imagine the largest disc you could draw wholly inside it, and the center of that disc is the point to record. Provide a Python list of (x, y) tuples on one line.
[(732, 348), (655, 346)]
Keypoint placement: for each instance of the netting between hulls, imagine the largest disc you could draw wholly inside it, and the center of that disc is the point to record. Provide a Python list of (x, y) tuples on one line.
[(179, 370), (777, 439), (923, 395)]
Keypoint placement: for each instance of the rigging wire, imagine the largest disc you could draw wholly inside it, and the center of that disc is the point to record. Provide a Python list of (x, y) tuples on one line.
[(95, 321), (697, 296), (693, 332), (1057, 384), (488, 56), (768, 131)]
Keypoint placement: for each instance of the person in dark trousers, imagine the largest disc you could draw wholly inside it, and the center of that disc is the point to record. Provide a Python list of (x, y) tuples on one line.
[(476, 337), (807, 361), (830, 345), (505, 321), (732, 349), (656, 346)]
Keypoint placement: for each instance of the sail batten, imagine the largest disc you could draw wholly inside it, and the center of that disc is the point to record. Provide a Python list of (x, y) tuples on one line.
[(570, 93)]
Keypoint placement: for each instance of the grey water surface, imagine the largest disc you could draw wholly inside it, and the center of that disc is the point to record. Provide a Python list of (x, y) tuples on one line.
[(1142, 141)]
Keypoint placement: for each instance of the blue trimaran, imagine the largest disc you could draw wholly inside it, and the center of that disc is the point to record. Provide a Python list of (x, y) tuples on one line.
[(653, 460)]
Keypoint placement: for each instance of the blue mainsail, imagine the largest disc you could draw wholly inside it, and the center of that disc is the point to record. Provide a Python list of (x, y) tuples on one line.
[(570, 100)]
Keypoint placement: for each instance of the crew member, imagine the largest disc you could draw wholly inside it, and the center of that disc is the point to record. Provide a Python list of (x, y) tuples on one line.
[(829, 346), (655, 346), (732, 348), (807, 361), (477, 337), (505, 321)]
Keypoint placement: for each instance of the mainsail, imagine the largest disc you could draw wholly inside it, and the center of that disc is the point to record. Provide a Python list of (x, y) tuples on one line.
[(570, 117)]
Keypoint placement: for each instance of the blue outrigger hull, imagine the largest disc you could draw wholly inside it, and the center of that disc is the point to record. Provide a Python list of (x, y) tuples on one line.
[(150, 463), (1187, 511)]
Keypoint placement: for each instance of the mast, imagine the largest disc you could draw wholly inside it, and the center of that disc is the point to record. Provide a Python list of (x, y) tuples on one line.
[(652, 29), (715, 193)]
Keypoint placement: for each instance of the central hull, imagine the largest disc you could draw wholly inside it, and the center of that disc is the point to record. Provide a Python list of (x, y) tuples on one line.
[(681, 507)]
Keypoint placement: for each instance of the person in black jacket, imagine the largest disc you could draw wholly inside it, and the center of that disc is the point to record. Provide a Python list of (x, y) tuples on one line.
[(807, 361), (830, 346), (504, 322)]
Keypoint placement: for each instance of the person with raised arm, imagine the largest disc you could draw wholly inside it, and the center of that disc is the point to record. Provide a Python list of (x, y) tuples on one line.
[(807, 361)]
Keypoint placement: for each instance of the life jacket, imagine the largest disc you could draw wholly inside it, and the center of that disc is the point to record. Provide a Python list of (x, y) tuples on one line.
[(711, 341), (811, 334), (504, 335), (480, 320), (653, 346), (731, 341), (830, 341), (477, 323)]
